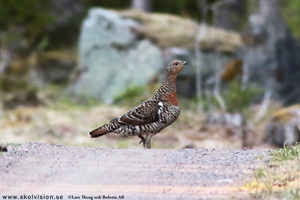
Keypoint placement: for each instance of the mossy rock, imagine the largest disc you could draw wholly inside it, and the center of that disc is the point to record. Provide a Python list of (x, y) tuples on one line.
[(287, 114), (168, 31), (284, 127)]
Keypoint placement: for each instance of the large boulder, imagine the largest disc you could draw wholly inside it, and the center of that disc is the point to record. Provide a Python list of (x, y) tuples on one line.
[(167, 30), (112, 57), (284, 128), (120, 49)]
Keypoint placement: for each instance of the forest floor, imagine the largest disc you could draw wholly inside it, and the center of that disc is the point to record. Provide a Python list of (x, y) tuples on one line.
[(41, 168), (69, 125)]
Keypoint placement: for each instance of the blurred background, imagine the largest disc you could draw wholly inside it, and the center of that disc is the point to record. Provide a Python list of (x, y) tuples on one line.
[(69, 66)]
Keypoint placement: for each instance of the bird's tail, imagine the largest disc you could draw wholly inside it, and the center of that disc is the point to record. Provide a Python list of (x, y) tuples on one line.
[(99, 131), (105, 129)]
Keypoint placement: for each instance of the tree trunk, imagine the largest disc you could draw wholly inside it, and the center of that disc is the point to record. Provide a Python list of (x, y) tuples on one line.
[(144, 5), (228, 14), (269, 8), (272, 55)]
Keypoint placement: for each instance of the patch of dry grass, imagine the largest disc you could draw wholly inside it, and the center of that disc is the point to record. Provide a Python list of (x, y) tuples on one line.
[(71, 125), (280, 177)]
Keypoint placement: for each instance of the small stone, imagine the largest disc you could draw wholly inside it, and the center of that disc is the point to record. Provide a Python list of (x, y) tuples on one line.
[(3, 148), (225, 181)]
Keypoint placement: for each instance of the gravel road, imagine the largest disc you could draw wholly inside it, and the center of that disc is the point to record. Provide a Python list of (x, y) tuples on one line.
[(39, 168)]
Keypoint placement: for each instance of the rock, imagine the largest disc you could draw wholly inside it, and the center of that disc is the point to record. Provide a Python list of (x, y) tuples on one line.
[(120, 49), (172, 31), (225, 119), (280, 134), (3, 148), (272, 55), (113, 57), (284, 128)]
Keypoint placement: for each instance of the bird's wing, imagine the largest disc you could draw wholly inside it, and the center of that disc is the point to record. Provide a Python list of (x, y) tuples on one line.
[(146, 112)]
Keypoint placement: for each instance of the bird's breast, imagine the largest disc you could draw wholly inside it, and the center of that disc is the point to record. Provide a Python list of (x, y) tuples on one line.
[(172, 98)]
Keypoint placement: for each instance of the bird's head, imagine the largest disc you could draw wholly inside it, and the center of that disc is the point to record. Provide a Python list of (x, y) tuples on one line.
[(176, 66)]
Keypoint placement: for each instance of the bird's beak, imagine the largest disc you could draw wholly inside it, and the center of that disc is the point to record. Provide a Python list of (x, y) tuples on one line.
[(185, 63)]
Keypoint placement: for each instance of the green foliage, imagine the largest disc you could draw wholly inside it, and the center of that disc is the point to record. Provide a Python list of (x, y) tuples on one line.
[(207, 102), (10, 83), (287, 153), (60, 99), (21, 12), (134, 95), (259, 173), (16, 90), (291, 13), (237, 99), (24, 19)]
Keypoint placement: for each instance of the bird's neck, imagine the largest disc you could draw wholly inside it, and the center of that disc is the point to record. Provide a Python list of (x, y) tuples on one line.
[(170, 82), (167, 92)]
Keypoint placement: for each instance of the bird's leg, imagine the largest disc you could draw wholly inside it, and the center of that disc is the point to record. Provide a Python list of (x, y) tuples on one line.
[(142, 140), (148, 141)]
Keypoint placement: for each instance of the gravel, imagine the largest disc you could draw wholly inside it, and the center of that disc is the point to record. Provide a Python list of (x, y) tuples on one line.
[(40, 168)]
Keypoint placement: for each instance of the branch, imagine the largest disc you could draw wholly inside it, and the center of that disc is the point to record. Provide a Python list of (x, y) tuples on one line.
[(264, 106), (4, 59)]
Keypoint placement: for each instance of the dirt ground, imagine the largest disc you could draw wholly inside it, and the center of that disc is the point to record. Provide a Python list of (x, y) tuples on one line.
[(40, 168)]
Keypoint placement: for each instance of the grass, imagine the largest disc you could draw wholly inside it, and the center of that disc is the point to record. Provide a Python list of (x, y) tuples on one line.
[(280, 177)]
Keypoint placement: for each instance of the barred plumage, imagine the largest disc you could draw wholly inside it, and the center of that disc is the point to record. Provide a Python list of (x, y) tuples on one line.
[(151, 116)]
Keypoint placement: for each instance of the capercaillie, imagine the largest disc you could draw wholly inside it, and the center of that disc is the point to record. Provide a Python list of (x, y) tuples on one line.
[(151, 116)]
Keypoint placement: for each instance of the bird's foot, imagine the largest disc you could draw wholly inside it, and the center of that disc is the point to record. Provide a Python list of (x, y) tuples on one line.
[(142, 140), (147, 146)]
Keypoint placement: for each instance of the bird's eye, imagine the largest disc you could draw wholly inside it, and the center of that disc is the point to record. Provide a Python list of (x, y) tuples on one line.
[(176, 63)]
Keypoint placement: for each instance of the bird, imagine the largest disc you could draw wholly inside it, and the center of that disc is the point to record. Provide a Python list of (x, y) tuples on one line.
[(150, 116)]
